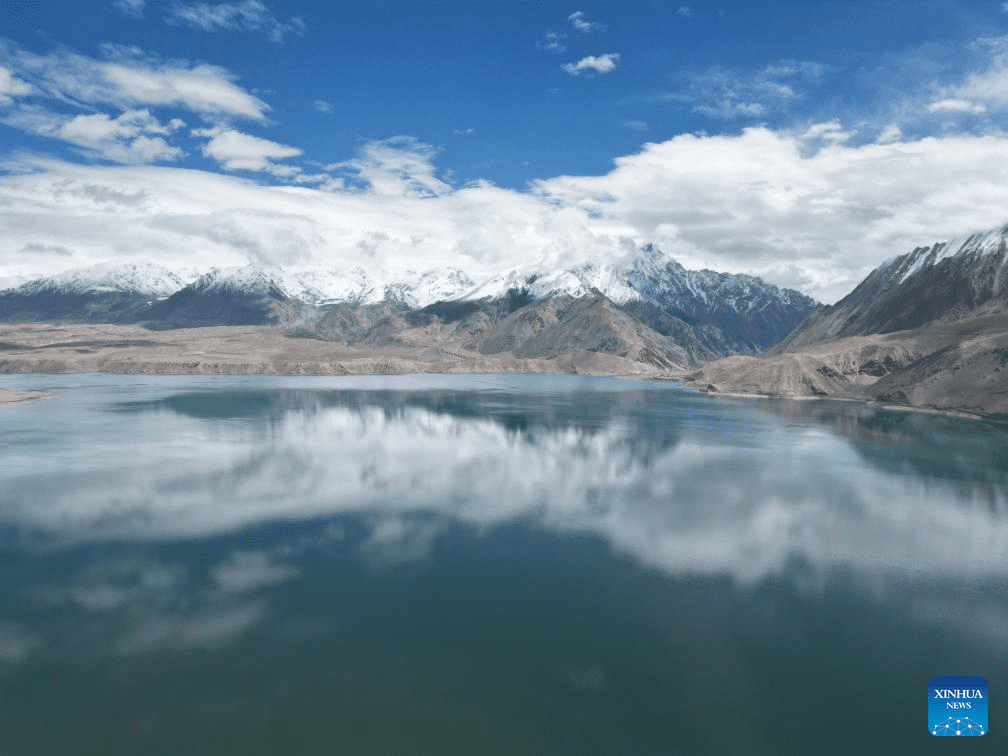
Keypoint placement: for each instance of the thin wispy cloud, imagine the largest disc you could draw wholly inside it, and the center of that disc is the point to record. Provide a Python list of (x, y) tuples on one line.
[(250, 15), (582, 24), (11, 87), (728, 95), (600, 64), (465, 132), (554, 42), (685, 11), (323, 106), (134, 8), (953, 105), (128, 78)]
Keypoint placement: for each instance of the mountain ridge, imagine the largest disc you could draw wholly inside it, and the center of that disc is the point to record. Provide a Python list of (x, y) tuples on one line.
[(926, 329), (710, 313)]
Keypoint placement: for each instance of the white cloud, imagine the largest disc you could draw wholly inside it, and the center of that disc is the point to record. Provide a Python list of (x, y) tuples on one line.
[(127, 79), (397, 167), (237, 151), (202, 88), (133, 8), (323, 106), (465, 132), (981, 90), (251, 15), (582, 24), (830, 132), (11, 86), (130, 138), (805, 209), (553, 42), (955, 106), (891, 133), (601, 64), (685, 11)]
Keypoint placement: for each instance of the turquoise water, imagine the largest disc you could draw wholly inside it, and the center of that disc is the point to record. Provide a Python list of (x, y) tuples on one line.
[(488, 564)]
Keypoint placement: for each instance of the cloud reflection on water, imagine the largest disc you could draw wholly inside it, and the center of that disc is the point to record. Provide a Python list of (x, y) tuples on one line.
[(675, 494)]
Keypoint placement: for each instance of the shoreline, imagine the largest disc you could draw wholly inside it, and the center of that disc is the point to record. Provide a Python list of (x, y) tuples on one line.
[(866, 402), (63, 348), (9, 396)]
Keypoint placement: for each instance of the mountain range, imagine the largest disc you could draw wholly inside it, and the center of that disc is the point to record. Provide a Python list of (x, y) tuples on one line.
[(686, 317), (928, 329)]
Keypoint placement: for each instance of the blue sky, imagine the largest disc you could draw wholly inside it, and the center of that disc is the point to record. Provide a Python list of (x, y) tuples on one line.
[(802, 141)]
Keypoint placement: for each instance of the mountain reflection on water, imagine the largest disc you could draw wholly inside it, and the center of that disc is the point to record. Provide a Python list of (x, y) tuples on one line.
[(677, 480), (460, 564)]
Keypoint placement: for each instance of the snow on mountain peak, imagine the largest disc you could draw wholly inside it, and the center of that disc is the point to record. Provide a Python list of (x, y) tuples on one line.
[(145, 278)]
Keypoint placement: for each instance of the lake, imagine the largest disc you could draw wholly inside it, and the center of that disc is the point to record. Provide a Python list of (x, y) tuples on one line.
[(488, 564)]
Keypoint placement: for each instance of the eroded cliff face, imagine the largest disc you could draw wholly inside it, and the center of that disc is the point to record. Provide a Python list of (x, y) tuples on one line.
[(927, 329)]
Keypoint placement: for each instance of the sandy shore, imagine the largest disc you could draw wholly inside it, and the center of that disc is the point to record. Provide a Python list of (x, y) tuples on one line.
[(12, 397), (79, 348)]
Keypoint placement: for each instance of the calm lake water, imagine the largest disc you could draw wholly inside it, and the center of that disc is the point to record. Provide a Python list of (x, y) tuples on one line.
[(489, 564)]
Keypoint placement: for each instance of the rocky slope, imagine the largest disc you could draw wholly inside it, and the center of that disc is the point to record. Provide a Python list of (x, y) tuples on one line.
[(928, 329), (543, 330), (708, 314)]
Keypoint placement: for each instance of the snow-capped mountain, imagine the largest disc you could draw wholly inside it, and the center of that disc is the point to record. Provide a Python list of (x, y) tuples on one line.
[(322, 287), (725, 312), (722, 313), (107, 292), (143, 278), (944, 282)]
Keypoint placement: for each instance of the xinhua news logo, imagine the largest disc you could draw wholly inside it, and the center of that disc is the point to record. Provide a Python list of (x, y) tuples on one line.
[(957, 706)]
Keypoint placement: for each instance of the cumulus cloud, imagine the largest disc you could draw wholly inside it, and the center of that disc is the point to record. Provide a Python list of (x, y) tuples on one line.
[(891, 133), (132, 137), (808, 208), (128, 79), (251, 15), (582, 24), (396, 167), (237, 151), (601, 64)]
